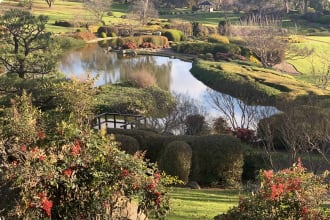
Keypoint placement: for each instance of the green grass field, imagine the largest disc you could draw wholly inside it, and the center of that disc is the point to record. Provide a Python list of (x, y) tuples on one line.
[(207, 18), (200, 204), (318, 60)]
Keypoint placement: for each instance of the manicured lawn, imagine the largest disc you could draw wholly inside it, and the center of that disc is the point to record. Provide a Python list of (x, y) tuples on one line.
[(200, 204), (208, 18)]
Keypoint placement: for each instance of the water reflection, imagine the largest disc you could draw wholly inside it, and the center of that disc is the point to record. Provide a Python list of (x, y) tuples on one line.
[(112, 69), (170, 74)]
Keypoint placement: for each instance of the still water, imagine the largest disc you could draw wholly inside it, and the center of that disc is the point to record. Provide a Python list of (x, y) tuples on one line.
[(170, 74)]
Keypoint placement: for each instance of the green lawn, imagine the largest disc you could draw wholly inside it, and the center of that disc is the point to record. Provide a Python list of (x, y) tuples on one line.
[(319, 59), (200, 204), (208, 18), (69, 11)]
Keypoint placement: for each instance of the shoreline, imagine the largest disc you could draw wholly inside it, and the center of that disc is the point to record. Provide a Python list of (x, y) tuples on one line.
[(165, 52)]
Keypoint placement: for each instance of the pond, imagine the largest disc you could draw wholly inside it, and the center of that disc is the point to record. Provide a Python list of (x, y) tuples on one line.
[(170, 74)]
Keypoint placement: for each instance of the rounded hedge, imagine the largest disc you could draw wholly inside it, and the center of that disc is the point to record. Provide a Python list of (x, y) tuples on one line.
[(127, 143), (217, 160), (174, 35), (176, 160), (216, 38)]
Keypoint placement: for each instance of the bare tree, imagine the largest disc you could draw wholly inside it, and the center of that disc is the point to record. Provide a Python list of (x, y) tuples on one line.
[(235, 111), (143, 10), (321, 70), (174, 121), (98, 8), (50, 2), (300, 129)]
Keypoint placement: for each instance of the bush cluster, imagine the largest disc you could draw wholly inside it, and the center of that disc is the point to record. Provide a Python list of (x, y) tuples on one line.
[(47, 164), (156, 41), (202, 48), (63, 24), (216, 38), (108, 31), (86, 35), (288, 194), (216, 159), (174, 35)]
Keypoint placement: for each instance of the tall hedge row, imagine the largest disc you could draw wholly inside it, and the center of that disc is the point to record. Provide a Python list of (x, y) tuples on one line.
[(216, 159), (204, 47)]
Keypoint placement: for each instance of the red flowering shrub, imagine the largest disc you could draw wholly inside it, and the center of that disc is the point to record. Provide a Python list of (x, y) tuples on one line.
[(246, 135), (73, 174), (129, 45), (288, 194)]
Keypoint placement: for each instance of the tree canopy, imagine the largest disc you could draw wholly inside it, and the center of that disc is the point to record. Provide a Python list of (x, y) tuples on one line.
[(26, 48)]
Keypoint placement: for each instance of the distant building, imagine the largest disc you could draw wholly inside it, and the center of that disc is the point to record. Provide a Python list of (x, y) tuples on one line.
[(206, 6)]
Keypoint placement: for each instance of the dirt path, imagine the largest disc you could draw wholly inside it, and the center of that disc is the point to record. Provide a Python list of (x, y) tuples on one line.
[(286, 67)]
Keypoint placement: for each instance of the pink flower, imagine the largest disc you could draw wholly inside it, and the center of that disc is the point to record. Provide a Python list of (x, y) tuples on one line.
[(15, 162), (41, 135), (268, 174), (75, 149), (41, 157), (23, 148), (67, 172), (47, 206), (125, 172), (151, 186)]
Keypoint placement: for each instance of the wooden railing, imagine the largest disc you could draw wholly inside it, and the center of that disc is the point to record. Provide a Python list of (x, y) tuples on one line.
[(115, 120)]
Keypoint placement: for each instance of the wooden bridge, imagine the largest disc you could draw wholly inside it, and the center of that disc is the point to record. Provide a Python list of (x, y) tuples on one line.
[(116, 120)]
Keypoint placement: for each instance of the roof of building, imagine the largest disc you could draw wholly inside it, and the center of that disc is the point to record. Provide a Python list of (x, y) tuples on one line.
[(205, 3)]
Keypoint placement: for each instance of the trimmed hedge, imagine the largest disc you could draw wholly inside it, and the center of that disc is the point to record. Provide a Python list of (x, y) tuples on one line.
[(157, 41), (216, 38), (203, 47), (216, 159), (176, 160), (127, 143), (174, 35)]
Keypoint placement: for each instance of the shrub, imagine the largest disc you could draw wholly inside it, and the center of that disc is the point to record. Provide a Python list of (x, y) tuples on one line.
[(202, 48), (176, 160), (196, 125), (174, 35), (86, 35), (67, 43), (216, 38), (63, 24), (142, 79), (157, 41), (108, 30), (217, 159), (288, 194), (48, 166), (127, 143), (103, 35)]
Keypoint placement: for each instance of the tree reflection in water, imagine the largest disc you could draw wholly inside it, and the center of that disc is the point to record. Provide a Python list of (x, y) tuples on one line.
[(112, 69)]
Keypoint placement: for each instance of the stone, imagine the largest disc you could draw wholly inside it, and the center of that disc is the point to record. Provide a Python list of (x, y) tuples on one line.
[(193, 185)]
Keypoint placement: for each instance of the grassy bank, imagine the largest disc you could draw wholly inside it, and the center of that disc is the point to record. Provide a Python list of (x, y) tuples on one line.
[(311, 66), (263, 86)]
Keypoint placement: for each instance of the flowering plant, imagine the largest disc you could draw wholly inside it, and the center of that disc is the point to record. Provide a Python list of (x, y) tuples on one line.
[(291, 193), (72, 172)]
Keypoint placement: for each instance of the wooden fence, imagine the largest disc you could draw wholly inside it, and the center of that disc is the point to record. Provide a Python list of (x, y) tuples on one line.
[(115, 120)]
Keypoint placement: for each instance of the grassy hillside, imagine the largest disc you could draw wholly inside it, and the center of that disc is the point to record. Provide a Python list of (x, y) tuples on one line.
[(321, 47), (243, 81), (68, 11)]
